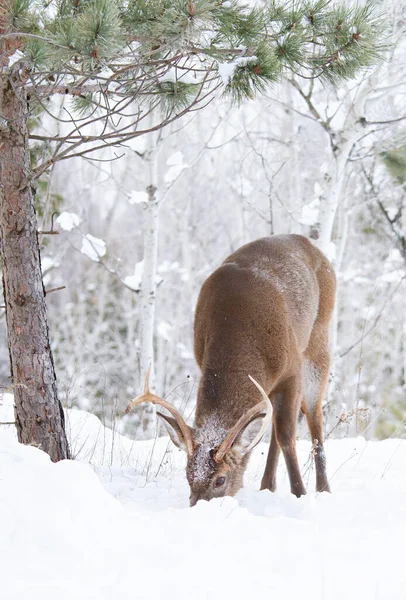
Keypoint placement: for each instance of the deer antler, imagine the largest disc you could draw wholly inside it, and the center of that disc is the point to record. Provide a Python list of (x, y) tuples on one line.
[(243, 422), (147, 396)]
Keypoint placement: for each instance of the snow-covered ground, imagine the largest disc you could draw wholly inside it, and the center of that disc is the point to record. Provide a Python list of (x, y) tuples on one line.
[(115, 524)]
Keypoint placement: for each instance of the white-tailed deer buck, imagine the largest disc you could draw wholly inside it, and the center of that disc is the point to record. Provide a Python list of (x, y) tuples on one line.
[(261, 318)]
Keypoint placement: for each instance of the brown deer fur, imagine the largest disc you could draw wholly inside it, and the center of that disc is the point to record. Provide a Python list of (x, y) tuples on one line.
[(264, 312)]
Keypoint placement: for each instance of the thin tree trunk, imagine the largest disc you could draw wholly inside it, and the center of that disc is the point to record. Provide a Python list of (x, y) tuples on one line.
[(294, 188), (336, 176), (333, 194), (335, 368), (38, 412), (148, 285), (404, 298)]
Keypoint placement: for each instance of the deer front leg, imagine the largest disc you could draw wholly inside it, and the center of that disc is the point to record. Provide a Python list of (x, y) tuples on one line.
[(269, 478), (286, 413)]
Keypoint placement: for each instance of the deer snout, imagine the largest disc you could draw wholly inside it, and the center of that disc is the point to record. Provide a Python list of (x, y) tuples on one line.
[(193, 499)]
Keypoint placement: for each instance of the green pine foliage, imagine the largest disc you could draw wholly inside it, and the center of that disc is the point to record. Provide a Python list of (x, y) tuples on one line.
[(128, 47), (238, 26), (349, 36), (173, 96), (84, 105), (19, 17), (98, 32), (395, 162), (253, 75)]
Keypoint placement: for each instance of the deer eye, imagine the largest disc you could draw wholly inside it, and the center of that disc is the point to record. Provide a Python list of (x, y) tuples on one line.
[(219, 482)]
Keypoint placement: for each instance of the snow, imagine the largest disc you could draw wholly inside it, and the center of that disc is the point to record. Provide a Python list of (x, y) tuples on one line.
[(392, 276), (18, 55), (173, 173), (184, 352), (115, 523), (173, 75), (164, 330), (93, 247), (167, 266), (310, 212), (243, 186), (331, 252), (137, 144), (208, 437), (68, 220), (134, 281), (47, 263), (138, 197), (226, 70), (176, 166), (175, 159)]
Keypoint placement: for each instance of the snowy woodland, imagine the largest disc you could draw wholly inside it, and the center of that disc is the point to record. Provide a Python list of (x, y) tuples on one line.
[(327, 162), (135, 229)]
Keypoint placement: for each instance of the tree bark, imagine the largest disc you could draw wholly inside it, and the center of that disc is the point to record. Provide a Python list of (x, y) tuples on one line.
[(148, 302), (38, 412), (148, 285), (336, 181)]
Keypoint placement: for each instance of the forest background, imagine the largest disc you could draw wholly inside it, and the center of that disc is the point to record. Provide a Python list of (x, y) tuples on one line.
[(142, 224)]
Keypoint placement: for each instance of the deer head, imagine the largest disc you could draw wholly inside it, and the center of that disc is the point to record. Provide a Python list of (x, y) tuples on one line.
[(216, 457)]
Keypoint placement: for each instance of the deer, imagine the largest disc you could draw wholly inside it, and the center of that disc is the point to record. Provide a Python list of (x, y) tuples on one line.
[(261, 341)]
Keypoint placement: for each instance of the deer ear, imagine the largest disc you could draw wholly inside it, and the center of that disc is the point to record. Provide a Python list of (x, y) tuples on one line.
[(248, 435), (173, 430)]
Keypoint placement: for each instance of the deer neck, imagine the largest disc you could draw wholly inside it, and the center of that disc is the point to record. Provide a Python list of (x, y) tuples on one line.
[(226, 392)]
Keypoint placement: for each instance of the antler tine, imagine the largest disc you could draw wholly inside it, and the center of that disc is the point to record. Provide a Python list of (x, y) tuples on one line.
[(244, 420), (147, 396), (266, 420)]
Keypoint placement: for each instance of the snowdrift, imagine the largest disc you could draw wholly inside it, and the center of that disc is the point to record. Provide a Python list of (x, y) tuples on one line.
[(115, 524)]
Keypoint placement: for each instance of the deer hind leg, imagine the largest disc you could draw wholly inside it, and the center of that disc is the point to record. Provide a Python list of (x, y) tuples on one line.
[(286, 409), (315, 381), (269, 478), (316, 371)]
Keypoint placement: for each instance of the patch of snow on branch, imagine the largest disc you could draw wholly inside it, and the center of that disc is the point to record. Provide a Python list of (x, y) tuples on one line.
[(93, 247), (227, 70), (134, 281), (137, 144), (174, 75), (140, 197), (68, 220), (18, 55), (176, 165), (310, 213), (164, 330), (175, 159)]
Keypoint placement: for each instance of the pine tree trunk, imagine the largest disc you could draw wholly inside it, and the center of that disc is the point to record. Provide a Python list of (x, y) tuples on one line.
[(38, 412)]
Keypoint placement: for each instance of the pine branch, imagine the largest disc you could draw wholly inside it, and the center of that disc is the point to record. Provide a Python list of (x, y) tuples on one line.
[(174, 55)]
